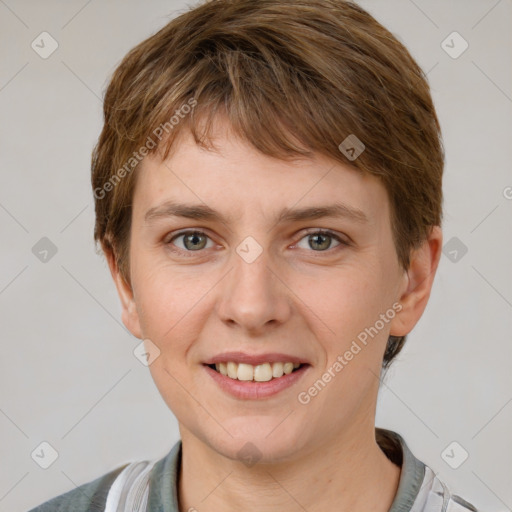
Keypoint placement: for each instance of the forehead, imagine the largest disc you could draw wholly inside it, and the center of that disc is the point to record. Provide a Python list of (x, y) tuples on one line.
[(238, 178)]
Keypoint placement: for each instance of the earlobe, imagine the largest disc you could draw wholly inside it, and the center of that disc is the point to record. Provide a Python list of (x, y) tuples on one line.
[(418, 283), (130, 315)]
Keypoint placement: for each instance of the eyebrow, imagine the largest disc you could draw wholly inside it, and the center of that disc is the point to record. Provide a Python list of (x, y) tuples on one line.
[(204, 212)]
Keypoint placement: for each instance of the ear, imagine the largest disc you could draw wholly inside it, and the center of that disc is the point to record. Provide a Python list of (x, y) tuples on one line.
[(130, 315), (418, 281)]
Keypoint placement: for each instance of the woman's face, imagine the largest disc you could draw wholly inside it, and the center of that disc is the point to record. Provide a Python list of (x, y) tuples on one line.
[(258, 281)]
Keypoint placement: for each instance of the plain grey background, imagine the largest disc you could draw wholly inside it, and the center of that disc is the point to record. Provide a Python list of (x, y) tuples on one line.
[(68, 373)]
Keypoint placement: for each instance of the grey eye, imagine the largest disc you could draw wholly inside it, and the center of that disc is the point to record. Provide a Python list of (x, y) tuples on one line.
[(192, 240), (320, 241)]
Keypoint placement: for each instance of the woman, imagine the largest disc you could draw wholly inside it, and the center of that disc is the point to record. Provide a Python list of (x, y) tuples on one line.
[(268, 198)]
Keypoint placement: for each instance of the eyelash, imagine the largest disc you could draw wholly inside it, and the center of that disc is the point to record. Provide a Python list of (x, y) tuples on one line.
[(342, 242)]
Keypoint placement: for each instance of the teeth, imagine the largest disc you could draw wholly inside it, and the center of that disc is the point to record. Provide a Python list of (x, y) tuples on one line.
[(245, 372), (288, 368), (263, 372), (232, 369), (277, 370), (259, 373)]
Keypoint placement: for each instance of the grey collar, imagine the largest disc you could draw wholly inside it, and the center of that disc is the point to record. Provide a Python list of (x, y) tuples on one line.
[(413, 470)]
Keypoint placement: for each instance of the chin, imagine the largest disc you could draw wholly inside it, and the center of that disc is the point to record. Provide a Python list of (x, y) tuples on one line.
[(257, 440), (252, 451)]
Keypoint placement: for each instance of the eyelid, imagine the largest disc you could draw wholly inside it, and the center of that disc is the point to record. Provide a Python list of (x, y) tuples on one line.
[(169, 237), (344, 239)]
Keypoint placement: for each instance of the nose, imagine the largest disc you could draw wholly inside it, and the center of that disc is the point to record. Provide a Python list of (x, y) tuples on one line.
[(254, 295)]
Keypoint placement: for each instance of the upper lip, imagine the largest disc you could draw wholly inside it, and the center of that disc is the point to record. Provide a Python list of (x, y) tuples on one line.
[(254, 359)]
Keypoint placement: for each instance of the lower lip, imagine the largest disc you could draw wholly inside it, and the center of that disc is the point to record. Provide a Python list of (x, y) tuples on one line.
[(253, 390)]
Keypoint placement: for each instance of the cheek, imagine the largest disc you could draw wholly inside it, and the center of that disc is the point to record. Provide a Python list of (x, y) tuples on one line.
[(169, 310), (347, 301), (170, 307)]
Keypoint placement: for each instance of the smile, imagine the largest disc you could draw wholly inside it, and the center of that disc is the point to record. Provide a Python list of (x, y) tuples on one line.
[(258, 373), (245, 381)]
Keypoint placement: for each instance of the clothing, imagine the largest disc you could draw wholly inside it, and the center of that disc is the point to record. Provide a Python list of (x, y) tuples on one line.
[(151, 486)]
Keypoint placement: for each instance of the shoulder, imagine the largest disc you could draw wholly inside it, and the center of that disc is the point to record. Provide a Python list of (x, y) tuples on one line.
[(134, 484), (420, 489), (90, 496)]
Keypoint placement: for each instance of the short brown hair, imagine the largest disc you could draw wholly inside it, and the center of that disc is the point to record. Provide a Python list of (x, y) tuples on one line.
[(293, 78)]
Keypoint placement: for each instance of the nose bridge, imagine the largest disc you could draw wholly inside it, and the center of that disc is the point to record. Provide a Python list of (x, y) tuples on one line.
[(253, 296)]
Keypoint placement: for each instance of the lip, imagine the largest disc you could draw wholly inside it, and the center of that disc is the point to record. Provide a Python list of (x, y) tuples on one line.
[(252, 390), (255, 359)]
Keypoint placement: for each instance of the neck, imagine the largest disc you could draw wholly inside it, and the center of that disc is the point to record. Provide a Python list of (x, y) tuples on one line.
[(349, 472)]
